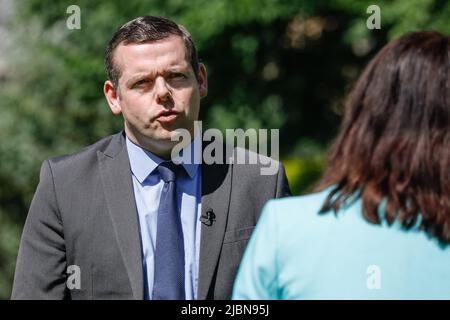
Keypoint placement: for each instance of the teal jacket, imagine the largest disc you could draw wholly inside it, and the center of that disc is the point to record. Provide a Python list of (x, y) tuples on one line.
[(296, 253)]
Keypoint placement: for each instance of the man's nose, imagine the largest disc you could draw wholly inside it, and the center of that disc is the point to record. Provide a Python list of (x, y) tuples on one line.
[(162, 90)]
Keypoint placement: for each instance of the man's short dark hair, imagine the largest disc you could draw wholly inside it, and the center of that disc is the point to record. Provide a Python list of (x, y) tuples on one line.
[(147, 29)]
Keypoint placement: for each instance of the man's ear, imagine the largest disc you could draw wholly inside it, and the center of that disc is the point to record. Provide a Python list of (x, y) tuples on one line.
[(202, 80), (112, 96)]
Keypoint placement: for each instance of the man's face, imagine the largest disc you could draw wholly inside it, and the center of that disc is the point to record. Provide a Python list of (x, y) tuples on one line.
[(158, 92)]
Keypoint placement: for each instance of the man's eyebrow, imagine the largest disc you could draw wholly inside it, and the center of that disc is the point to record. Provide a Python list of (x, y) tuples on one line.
[(138, 77), (179, 66)]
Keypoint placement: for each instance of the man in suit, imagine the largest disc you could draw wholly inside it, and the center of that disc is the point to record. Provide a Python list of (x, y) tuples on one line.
[(119, 220)]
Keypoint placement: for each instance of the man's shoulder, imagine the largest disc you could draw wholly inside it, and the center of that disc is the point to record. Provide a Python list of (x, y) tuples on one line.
[(85, 155), (262, 159), (250, 162)]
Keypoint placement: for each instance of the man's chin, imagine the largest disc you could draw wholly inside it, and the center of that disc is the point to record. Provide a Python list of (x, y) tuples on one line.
[(159, 135), (167, 137)]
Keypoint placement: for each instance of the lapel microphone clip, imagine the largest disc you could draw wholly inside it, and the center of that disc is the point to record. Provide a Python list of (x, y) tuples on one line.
[(208, 218)]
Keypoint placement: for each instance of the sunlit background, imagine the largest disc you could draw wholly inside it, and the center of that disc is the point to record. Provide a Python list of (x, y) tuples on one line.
[(283, 64)]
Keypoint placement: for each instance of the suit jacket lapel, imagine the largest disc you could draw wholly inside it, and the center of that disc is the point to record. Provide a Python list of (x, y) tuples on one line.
[(216, 189), (118, 188)]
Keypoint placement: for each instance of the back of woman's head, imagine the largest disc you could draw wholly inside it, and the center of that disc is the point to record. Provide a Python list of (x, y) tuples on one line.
[(394, 142)]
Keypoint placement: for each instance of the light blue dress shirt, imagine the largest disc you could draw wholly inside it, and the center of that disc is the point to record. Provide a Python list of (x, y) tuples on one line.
[(148, 185), (296, 253)]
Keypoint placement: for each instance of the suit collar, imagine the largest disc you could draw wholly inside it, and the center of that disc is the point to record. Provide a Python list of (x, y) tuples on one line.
[(116, 145), (117, 185), (216, 192)]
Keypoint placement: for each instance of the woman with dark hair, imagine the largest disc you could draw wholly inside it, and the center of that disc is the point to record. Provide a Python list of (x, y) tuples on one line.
[(387, 183)]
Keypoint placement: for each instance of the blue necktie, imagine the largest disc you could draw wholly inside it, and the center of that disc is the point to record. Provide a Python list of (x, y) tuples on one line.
[(169, 256)]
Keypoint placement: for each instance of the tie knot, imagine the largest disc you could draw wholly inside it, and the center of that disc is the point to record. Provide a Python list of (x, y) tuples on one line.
[(169, 171)]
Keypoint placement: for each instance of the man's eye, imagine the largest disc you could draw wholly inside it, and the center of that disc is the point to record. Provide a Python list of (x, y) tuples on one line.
[(141, 83), (177, 76)]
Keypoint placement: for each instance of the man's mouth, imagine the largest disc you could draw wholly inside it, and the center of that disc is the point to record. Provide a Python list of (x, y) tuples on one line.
[(166, 116)]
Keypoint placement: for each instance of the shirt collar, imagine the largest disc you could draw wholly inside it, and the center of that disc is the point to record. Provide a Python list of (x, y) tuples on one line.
[(144, 162)]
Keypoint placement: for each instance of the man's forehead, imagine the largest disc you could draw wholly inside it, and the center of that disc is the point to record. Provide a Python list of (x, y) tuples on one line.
[(166, 52)]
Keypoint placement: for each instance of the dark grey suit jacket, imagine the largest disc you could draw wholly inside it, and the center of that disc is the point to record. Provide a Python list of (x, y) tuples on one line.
[(84, 213)]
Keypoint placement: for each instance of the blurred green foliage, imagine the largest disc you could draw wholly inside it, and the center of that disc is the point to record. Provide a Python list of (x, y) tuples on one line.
[(272, 64)]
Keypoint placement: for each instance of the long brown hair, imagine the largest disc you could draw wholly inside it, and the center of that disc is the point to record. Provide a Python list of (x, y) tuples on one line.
[(394, 141)]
